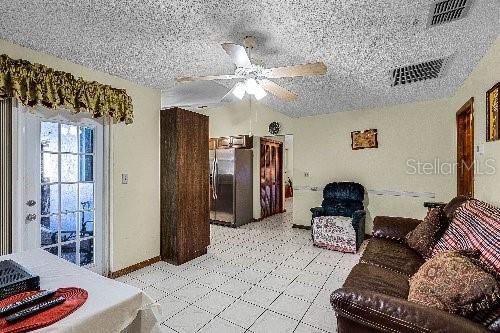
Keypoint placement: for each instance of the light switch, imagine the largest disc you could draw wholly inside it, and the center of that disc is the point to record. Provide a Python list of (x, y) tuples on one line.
[(124, 178), (306, 174), (480, 149)]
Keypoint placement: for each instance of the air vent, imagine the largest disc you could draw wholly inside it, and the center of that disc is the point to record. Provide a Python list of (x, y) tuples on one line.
[(413, 73), (447, 11)]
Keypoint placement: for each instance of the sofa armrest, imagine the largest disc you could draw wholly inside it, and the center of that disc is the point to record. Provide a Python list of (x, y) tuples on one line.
[(394, 228), (358, 219), (317, 211), (391, 314), (358, 223)]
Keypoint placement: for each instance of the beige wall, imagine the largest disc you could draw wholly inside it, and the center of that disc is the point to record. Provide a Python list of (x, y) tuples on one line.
[(245, 118), (136, 215), (423, 131), (484, 76), (289, 158)]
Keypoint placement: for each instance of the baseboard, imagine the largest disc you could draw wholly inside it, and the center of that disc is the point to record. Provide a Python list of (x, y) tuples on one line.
[(134, 267), (301, 226)]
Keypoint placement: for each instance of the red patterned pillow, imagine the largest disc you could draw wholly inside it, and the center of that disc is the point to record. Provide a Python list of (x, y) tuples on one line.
[(475, 225), (450, 281)]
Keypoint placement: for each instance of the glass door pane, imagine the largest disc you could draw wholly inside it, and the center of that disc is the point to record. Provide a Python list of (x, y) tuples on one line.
[(67, 177)]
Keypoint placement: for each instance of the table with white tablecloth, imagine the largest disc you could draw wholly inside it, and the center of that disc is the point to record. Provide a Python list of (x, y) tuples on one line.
[(111, 305)]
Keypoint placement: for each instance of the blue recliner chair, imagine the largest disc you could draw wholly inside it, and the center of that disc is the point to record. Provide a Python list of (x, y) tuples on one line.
[(344, 199)]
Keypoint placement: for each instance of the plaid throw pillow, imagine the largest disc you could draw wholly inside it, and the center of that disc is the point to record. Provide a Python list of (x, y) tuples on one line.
[(475, 225)]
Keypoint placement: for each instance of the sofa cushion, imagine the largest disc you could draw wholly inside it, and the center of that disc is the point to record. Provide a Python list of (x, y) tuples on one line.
[(450, 281), (392, 255), (377, 279), (395, 228), (475, 225), (426, 234)]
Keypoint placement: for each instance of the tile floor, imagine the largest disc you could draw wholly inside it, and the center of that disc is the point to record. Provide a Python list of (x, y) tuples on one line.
[(262, 277)]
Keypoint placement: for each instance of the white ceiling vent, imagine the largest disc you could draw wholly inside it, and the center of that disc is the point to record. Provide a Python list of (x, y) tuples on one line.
[(413, 73), (448, 10)]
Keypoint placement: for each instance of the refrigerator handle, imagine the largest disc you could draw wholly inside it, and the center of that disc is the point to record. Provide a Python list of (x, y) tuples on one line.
[(215, 175), (212, 180)]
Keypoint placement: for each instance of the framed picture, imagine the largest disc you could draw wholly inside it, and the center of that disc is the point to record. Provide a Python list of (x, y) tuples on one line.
[(492, 106), (364, 139)]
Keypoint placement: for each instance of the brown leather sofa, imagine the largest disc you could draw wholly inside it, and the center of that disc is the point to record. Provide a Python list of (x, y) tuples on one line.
[(374, 295)]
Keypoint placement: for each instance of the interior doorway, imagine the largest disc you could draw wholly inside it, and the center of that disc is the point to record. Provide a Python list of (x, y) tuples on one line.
[(465, 149), (276, 174)]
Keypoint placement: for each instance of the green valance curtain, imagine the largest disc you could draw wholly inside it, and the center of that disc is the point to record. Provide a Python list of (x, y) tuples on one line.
[(35, 84)]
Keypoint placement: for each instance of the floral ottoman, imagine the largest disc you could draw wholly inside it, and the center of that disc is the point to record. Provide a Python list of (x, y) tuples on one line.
[(334, 233)]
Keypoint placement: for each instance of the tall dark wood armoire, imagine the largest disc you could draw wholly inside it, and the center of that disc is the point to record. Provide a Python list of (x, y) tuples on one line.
[(184, 185)]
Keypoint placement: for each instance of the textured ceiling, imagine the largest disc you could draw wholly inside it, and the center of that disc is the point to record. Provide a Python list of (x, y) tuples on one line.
[(153, 41)]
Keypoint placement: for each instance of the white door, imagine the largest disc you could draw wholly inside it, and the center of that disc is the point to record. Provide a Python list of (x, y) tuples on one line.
[(62, 187)]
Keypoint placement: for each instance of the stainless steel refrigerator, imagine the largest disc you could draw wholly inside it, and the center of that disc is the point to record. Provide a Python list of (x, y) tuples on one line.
[(231, 186)]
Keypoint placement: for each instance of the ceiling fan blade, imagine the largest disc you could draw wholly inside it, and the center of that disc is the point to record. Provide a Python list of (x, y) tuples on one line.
[(228, 97), (237, 54), (278, 90), (206, 78), (317, 68)]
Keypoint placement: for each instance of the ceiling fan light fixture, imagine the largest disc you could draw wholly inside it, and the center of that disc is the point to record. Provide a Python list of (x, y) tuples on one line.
[(260, 93), (251, 86), (239, 90)]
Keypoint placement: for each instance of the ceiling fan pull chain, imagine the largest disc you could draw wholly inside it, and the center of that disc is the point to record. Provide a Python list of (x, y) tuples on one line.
[(251, 120)]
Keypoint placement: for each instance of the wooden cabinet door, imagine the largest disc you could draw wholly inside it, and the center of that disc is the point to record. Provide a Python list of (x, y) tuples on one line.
[(184, 185)]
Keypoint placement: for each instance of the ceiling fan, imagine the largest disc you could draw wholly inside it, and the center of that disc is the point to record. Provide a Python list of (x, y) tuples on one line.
[(256, 78)]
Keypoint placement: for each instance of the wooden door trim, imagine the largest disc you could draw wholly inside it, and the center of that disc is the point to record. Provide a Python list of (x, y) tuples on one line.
[(469, 105), (466, 106)]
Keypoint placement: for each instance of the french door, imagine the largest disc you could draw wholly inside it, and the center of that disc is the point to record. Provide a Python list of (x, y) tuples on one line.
[(62, 188)]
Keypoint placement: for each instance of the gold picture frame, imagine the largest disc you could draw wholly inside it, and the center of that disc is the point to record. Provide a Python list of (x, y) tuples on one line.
[(492, 109), (364, 139)]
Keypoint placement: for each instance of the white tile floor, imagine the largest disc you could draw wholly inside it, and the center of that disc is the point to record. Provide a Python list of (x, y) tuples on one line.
[(262, 277)]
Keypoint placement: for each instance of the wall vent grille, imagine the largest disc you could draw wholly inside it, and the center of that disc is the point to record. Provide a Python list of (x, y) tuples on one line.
[(449, 10), (418, 72)]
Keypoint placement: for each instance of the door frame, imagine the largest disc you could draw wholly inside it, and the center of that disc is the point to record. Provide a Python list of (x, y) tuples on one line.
[(466, 110), (18, 151)]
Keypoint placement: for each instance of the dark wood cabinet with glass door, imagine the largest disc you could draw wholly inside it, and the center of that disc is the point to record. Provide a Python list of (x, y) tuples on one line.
[(271, 177)]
